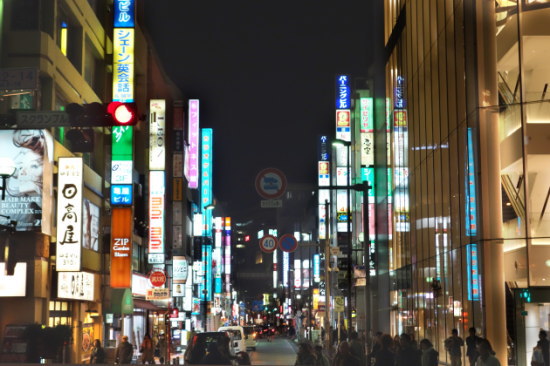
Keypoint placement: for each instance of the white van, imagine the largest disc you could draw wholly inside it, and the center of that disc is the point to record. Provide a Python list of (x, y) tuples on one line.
[(236, 334)]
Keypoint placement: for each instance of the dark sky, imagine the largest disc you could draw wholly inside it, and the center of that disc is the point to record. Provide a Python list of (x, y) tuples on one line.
[(265, 74)]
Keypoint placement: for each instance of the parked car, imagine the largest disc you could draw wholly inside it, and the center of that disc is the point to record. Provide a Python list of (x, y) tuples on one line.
[(250, 337), (196, 349)]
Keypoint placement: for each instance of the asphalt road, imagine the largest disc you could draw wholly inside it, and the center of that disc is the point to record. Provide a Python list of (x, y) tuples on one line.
[(280, 352)]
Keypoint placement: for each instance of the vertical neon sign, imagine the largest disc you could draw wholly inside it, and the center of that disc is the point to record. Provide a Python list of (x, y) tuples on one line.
[(193, 158), (470, 207), (472, 266)]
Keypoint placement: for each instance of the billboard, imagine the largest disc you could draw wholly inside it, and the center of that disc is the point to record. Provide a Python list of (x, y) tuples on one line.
[(123, 64), (90, 225), (29, 190), (75, 285), (192, 167), (121, 247), (156, 211), (157, 132), (69, 214)]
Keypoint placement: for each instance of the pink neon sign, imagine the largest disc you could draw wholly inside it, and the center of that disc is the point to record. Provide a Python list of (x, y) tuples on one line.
[(193, 161)]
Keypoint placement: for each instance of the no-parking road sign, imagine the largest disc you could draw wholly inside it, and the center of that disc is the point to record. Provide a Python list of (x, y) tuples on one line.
[(268, 243), (270, 183), (288, 243)]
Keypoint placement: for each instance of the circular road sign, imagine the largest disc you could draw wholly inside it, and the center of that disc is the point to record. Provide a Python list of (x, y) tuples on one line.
[(288, 243), (157, 278), (270, 183), (268, 243)]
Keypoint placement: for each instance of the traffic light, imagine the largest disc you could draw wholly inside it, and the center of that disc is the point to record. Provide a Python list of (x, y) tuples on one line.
[(122, 114), (87, 115), (102, 115)]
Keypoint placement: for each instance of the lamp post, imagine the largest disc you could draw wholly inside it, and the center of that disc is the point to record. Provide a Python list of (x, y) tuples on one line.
[(7, 169)]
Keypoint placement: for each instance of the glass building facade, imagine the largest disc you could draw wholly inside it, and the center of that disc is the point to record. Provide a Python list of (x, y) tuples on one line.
[(470, 143)]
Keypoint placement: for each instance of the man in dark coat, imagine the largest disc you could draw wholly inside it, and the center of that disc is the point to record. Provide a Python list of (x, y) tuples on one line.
[(124, 352)]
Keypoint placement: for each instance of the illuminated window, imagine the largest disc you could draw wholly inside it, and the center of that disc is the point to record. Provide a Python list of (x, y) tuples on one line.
[(60, 313)]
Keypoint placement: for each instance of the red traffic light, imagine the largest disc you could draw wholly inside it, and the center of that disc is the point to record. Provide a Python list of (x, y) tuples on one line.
[(123, 114)]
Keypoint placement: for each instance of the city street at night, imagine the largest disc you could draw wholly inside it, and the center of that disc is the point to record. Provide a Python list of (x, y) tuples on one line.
[(204, 183)]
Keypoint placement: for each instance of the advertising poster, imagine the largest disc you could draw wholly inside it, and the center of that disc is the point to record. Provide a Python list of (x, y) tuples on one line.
[(31, 152), (90, 225)]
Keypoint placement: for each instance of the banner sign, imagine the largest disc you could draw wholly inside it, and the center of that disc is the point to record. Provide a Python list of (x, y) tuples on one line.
[(75, 285), (192, 168), (180, 268), (158, 294), (156, 211), (69, 214), (157, 132), (121, 247)]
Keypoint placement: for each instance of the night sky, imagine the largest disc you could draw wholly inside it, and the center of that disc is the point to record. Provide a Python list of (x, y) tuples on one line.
[(265, 75)]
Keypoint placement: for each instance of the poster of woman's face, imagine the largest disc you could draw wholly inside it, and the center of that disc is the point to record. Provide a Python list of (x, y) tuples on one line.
[(28, 149), (90, 225)]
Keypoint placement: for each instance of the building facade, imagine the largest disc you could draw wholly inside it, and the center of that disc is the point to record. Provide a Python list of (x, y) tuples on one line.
[(467, 82)]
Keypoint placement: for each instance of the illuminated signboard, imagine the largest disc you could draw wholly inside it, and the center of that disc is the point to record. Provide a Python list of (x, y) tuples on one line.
[(343, 124), (275, 273), (157, 132), (306, 273), (140, 285), (399, 101), (121, 194), (75, 285), (180, 269), (227, 254), (121, 247), (156, 211), (366, 115), (207, 270), (217, 269), (316, 267), (343, 92), (15, 285), (124, 13), (69, 214), (193, 166), (206, 176), (297, 273), (471, 204), (472, 265), (324, 173), (286, 268), (123, 65)]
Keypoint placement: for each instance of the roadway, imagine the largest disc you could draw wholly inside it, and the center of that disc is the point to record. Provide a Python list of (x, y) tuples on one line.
[(279, 352)]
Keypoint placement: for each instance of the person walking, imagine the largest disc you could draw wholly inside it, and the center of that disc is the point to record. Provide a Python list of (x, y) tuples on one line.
[(429, 354), (408, 354), (98, 353), (344, 357), (471, 346), (306, 355), (322, 360), (385, 356), (357, 348), (486, 354), (147, 350), (545, 347), (537, 359), (124, 352), (452, 345)]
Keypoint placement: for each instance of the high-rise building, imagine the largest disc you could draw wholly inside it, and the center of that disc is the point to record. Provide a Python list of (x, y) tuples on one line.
[(470, 245)]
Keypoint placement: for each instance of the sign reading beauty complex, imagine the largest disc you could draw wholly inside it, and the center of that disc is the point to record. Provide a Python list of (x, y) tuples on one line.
[(69, 214), (270, 183)]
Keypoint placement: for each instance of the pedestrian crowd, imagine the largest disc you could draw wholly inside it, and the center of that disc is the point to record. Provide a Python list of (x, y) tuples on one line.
[(403, 350)]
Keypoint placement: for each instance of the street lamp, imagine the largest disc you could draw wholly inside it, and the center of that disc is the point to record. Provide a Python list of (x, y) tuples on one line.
[(7, 169)]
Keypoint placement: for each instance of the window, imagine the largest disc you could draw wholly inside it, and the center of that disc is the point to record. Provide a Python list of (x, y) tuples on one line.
[(60, 313)]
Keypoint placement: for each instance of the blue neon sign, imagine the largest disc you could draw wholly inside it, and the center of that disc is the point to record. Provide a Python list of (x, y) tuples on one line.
[(343, 98), (121, 194), (124, 13)]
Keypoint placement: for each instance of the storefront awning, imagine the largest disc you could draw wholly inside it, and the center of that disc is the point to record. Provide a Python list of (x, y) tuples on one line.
[(144, 304), (121, 301)]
